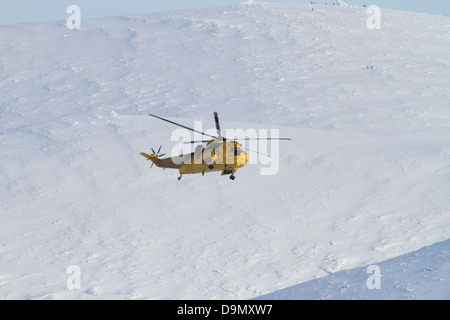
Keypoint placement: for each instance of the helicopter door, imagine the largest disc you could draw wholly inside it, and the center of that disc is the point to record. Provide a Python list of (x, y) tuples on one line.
[(209, 155)]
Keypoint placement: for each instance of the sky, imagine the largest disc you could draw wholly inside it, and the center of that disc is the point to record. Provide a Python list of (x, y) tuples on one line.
[(24, 11)]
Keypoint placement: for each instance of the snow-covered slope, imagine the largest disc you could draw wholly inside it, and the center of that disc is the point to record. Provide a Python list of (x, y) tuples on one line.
[(366, 178), (422, 274)]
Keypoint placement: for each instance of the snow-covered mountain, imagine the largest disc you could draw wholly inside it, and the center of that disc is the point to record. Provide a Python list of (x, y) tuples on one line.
[(366, 178)]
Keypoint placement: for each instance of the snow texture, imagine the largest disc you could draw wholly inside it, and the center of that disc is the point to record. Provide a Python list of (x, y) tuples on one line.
[(366, 178)]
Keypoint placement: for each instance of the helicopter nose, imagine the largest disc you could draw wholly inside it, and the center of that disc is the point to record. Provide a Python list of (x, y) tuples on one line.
[(246, 159)]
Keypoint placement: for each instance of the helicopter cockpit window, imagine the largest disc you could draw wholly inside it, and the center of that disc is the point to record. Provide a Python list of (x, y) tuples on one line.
[(237, 152)]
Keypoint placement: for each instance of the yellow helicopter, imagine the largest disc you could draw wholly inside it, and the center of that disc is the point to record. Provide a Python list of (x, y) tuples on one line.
[(220, 154)]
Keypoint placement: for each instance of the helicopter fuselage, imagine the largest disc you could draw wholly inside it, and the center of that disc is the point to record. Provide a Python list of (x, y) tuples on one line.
[(218, 155)]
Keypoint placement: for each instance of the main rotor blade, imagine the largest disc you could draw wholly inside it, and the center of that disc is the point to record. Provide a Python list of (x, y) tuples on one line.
[(216, 119), (198, 141), (282, 139), (180, 125), (249, 150), (247, 139)]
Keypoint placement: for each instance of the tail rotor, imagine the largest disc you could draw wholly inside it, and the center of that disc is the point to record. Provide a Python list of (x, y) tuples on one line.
[(157, 154)]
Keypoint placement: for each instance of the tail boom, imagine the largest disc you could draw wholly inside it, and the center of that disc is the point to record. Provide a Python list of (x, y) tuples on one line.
[(162, 163)]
